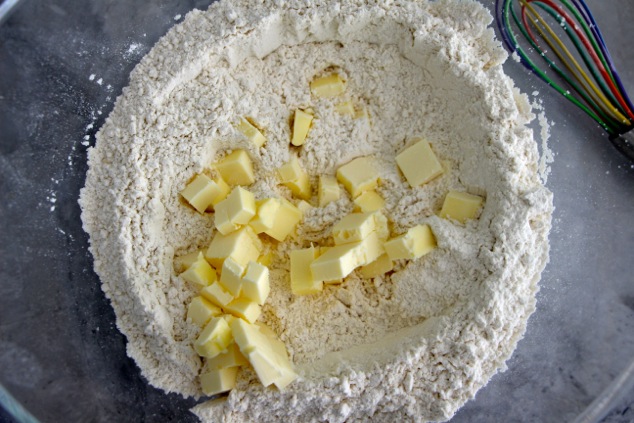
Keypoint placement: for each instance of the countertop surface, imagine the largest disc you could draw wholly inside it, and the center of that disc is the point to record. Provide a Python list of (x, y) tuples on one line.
[(62, 65)]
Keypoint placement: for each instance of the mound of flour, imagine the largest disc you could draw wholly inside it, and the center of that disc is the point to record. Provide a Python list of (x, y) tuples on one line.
[(414, 345)]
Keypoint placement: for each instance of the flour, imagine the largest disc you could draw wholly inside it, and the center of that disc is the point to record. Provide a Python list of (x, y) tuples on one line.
[(410, 346)]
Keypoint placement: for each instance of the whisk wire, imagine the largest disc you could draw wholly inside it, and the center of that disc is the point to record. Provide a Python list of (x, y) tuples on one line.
[(562, 52), (594, 84)]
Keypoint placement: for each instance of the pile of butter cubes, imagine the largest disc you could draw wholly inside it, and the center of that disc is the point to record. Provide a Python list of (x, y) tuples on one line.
[(228, 306), (361, 239)]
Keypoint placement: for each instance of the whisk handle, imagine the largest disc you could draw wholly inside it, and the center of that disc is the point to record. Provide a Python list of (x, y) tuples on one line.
[(624, 143)]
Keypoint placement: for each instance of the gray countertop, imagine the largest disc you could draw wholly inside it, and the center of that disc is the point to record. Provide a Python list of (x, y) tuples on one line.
[(61, 355)]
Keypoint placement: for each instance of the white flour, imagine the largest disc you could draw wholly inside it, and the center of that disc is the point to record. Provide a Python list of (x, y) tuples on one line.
[(413, 346)]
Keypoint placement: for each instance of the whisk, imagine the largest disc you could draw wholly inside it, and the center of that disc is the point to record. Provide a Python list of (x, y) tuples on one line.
[(585, 74)]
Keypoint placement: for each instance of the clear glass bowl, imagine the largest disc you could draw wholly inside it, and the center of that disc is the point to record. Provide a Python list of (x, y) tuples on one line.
[(62, 65)]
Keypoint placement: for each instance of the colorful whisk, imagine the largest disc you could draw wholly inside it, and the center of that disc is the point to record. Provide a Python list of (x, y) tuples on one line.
[(585, 73)]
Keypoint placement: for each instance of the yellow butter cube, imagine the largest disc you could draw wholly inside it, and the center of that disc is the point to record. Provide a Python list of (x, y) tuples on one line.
[(276, 217), (200, 272), (222, 189), (328, 86), (252, 133), (419, 164), (184, 262), (270, 367), (242, 245), (200, 311), (369, 201), (223, 222), (264, 219), (255, 283), (216, 294), (461, 206), (414, 243), (237, 209), (214, 338), (303, 206), (339, 261), (266, 366), (247, 336), (301, 125), (232, 357), (277, 345), (201, 192), (357, 226), (294, 177), (359, 175), (302, 282), (266, 259), (231, 276), (286, 219), (328, 190), (218, 381), (245, 309), (345, 108), (236, 168), (378, 267), (288, 376)]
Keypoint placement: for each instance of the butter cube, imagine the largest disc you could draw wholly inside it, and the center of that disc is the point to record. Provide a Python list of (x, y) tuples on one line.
[(414, 243), (231, 276), (302, 282), (357, 226), (301, 125), (218, 381), (232, 357), (359, 175), (245, 309), (185, 261), (419, 164), (286, 219), (288, 376), (461, 206), (276, 217), (264, 219), (252, 133), (328, 190), (200, 311), (277, 345), (242, 245), (270, 367), (201, 192), (200, 272), (303, 206), (265, 366), (378, 267), (294, 177), (345, 108), (339, 261), (328, 86), (217, 294), (223, 222), (237, 209), (266, 259), (247, 336), (369, 201), (223, 190), (214, 338), (255, 283), (236, 168)]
